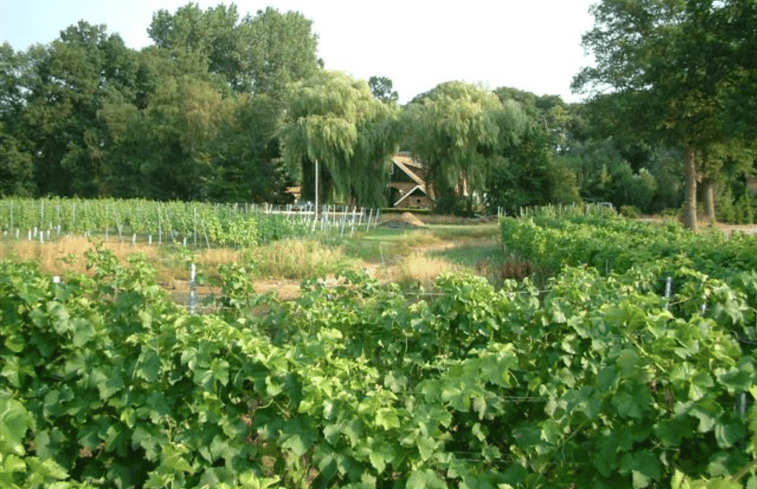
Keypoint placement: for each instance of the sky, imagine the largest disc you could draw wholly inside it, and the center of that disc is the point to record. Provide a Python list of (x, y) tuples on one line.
[(532, 45)]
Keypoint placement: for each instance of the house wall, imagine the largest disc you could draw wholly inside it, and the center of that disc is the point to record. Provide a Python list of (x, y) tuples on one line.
[(403, 187), (416, 201)]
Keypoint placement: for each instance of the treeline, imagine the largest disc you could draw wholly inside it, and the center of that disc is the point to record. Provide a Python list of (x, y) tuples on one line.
[(191, 117), (229, 108)]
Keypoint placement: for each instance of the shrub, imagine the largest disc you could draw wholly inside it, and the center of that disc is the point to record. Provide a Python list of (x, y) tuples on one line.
[(630, 211)]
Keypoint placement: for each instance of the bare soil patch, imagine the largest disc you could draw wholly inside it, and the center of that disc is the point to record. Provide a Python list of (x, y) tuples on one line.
[(283, 289), (705, 225), (736, 228), (404, 220)]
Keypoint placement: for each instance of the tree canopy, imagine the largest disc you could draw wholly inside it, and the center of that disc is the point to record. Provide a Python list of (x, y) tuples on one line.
[(383, 89), (224, 107), (259, 54), (457, 131), (335, 120), (191, 117), (663, 67)]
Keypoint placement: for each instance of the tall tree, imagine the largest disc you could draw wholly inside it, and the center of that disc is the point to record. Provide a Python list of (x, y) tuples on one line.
[(169, 149), (69, 82), (211, 36), (529, 173), (718, 162), (16, 169), (738, 27), (259, 54), (664, 71), (186, 134), (282, 49), (457, 130), (383, 89), (245, 163), (334, 119)]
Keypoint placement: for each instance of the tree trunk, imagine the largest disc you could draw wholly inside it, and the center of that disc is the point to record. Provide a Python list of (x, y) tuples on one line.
[(709, 200), (690, 176)]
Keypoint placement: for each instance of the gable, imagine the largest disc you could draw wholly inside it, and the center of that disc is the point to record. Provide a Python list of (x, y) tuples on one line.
[(408, 169)]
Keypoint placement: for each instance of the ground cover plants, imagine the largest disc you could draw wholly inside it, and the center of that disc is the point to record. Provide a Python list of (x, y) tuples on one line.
[(196, 223), (591, 377)]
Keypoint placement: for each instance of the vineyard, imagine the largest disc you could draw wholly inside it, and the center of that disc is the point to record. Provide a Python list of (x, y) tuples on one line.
[(627, 362), (195, 223)]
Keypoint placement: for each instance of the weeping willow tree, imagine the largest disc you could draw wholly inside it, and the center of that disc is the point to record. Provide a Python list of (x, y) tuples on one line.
[(458, 131), (334, 120)]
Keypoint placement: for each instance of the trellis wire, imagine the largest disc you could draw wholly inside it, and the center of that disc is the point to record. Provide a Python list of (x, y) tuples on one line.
[(80, 217)]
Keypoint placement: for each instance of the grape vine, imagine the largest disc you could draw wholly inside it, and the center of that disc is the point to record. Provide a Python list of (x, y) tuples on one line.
[(592, 379)]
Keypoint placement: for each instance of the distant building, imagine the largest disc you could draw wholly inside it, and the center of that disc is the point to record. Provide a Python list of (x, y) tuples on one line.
[(407, 188)]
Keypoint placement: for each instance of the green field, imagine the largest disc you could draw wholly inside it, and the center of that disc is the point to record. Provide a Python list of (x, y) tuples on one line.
[(591, 373)]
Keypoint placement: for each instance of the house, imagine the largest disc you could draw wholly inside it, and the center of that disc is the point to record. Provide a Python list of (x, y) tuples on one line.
[(407, 188)]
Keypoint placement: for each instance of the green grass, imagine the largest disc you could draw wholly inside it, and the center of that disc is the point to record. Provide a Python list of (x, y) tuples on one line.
[(466, 232), (471, 255), (383, 243), (472, 243)]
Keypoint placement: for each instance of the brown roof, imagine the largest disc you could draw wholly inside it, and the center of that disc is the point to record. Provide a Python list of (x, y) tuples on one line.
[(410, 167), (408, 160)]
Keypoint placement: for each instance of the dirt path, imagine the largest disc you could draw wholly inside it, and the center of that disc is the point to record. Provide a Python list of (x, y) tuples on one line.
[(733, 228), (705, 225)]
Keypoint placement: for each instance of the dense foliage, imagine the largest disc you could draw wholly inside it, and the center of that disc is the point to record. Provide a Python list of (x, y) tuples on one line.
[(596, 379), (191, 117), (551, 237), (335, 120), (206, 224), (666, 71), (225, 108)]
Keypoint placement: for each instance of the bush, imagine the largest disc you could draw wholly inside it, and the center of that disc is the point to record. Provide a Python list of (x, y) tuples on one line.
[(630, 211), (725, 210), (744, 209)]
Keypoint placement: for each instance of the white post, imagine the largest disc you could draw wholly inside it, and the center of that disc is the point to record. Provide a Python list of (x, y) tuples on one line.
[(668, 287), (316, 188), (315, 208), (192, 285)]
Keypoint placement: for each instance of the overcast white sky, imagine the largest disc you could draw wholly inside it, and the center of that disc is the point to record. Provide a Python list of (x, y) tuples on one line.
[(532, 45)]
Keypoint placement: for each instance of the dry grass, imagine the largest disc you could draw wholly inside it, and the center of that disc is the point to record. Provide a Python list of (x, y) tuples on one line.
[(420, 269), (67, 254), (211, 259), (299, 259), (291, 259), (409, 264)]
